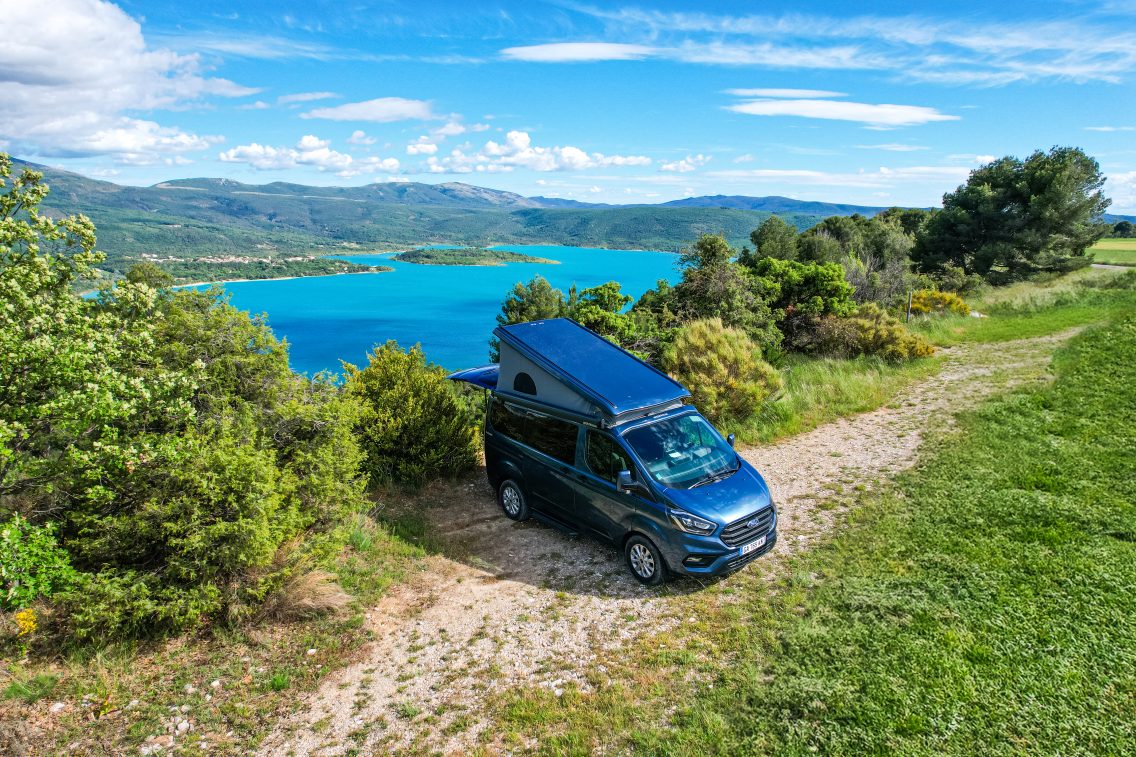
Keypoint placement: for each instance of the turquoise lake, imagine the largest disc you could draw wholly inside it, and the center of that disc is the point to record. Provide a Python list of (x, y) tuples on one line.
[(450, 310)]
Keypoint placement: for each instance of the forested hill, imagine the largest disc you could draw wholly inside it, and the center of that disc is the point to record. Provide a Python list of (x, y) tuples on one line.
[(218, 217)]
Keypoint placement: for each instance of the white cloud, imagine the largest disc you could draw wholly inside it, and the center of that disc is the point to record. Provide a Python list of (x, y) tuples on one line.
[(380, 110), (747, 158), (310, 151), (954, 50), (687, 164), (78, 67), (422, 146), (359, 137), (841, 110), (454, 127), (1110, 128), (893, 147), (577, 52), (258, 105), (1121, 187), (775, 92), (304, 97), (518, 151)]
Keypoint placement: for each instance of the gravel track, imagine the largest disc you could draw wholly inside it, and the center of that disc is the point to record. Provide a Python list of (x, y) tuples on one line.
[(522, 604)]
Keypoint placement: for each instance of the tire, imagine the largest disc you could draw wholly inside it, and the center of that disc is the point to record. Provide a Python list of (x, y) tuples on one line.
[(645, 561), (512, 499)]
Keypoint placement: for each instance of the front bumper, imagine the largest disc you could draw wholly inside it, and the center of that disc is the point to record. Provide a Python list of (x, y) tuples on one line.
[(690, 555)]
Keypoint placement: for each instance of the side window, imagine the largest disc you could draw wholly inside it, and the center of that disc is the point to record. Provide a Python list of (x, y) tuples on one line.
[(507, 420), (604, 457), (524, 384), (552, 437)]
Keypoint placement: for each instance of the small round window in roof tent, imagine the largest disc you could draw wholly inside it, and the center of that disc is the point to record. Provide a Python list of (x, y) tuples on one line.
[(524, 384)]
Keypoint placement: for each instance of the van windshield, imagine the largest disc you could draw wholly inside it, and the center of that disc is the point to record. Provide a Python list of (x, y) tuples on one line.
[(683, 452)]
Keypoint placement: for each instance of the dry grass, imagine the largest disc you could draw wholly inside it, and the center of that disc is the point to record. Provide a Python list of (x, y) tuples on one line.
[(307, 595)]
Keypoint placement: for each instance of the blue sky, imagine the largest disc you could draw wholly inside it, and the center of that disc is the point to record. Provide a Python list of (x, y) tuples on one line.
[(892, 103)]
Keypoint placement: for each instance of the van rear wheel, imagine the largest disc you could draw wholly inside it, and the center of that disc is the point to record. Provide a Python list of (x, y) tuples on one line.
[(512, 499), (645, 561)]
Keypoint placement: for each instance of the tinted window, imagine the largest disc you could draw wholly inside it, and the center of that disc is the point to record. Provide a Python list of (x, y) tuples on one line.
[(524, 384), (551, 436), (507, 419), (604, 457)]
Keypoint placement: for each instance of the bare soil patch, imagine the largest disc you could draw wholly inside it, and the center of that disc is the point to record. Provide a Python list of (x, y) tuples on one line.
[(510, 604)]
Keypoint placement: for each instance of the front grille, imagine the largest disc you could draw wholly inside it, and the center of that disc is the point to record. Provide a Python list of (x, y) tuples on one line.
[(739, 562), (741, 531)]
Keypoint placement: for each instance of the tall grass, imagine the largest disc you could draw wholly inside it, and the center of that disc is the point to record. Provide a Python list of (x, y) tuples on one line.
[(1032, 308), (818, 390)]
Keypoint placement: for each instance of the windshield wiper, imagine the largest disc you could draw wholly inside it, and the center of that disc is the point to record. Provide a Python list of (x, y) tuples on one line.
[(717, 476)]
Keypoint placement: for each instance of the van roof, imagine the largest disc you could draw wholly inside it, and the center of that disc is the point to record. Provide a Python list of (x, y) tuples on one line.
[(613, 379)]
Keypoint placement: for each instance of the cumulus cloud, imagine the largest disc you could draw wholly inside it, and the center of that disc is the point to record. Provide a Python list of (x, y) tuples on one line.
[(577, 52), (687, 164), (518, 151), (453, 128), (310, 151), (379, 110), (74, 71), (422, 146), (874, 116), (359, 137), (1121, 187)]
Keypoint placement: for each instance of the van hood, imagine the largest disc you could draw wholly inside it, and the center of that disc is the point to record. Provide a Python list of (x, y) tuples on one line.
[(727, 500)]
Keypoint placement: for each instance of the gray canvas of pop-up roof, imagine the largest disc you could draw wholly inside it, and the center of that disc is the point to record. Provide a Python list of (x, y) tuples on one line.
[(561, 364)]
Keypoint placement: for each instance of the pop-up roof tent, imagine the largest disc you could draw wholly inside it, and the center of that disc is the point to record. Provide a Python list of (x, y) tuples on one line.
[(559, 363)]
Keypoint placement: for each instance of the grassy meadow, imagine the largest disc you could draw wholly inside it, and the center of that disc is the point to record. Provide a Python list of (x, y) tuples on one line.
[(1115, 251)]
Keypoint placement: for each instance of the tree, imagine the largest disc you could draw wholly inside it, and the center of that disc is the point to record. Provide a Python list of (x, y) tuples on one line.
[(413, 425), (150, 274), (1124, 229), (1014, 218), (533, 301), (773, 239), (722, 368)]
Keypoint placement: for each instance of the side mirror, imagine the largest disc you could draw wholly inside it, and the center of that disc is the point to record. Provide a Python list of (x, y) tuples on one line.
[(730, 439), (624, 482)]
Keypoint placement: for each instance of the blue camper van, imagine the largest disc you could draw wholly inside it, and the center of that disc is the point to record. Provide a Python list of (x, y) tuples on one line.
[(582, 434)]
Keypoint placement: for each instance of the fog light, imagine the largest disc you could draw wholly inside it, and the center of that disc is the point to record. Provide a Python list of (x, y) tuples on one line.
[(698, 561)]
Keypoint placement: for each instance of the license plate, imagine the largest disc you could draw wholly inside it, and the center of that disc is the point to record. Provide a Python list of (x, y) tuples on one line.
[(747, 548)]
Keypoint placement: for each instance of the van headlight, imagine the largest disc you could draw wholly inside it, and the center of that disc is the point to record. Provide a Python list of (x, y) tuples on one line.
[(691, 524)]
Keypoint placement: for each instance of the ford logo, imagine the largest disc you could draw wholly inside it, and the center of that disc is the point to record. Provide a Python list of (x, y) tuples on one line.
[(752, 523)]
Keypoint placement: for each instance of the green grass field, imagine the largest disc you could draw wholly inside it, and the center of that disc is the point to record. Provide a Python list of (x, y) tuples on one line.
[(1115, 251)]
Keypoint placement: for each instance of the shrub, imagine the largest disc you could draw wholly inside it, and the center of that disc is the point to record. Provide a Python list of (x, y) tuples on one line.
[(412, 424), (722, 368), (32, 565), (871, 331), (928, 301)]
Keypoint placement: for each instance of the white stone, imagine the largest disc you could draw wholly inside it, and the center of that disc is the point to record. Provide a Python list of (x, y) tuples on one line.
[(58, 707)]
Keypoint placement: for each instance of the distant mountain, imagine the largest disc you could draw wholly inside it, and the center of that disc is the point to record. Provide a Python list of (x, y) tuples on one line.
[(773, 204)]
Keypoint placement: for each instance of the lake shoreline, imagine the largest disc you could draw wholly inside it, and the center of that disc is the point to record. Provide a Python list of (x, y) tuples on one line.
[(276, 278)]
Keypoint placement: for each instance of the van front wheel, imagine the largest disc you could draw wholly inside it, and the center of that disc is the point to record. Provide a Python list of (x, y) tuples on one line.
[(512, 500), (645, 561)]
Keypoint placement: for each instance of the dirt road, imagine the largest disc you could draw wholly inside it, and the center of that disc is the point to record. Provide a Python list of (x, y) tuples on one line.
[(513, 604)]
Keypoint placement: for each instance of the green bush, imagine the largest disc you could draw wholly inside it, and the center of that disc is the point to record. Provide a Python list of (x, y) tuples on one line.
[(32, 564), (412, 423), (162, 433), (928, 301), (871, 331), (722, 368)]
